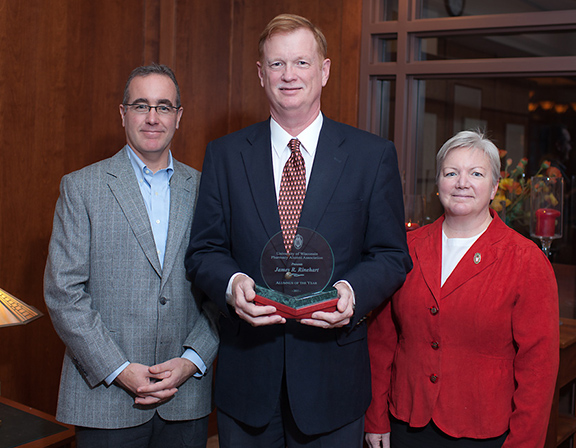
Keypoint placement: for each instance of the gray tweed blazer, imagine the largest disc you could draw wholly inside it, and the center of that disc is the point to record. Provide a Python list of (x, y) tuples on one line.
[(111, 302)]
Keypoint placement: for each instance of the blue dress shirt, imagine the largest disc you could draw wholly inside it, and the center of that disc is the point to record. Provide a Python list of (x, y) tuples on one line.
[(155, 189)]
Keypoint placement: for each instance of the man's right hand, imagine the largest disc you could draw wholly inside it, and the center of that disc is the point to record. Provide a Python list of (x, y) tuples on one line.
[(242, 301), (138, 375)]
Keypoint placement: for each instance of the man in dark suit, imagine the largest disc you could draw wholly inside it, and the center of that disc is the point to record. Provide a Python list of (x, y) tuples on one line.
[(139, 346), (286, 382)]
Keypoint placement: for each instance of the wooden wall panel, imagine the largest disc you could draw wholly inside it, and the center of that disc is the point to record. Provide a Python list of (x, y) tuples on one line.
[(216, 54), (63, 68), (339, 21), (202, 66), (63, 65)]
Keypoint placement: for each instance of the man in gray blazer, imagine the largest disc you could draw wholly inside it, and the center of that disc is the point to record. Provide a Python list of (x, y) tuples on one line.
[(139, 345)]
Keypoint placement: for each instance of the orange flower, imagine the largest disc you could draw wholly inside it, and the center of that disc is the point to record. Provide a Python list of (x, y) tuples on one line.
[(553, 172), (507, 184)]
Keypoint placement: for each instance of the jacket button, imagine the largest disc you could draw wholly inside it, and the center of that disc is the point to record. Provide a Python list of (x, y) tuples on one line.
[(434, 310), (434, 378), (163, 300), (434, 345)]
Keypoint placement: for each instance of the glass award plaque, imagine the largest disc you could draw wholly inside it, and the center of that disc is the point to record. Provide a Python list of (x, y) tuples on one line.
[(297, 282)]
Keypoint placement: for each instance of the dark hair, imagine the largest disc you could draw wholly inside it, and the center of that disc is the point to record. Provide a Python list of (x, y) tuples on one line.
[(152, 69), (288, 23)]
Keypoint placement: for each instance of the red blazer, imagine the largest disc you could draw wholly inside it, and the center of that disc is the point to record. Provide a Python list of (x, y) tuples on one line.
[(477, 356)]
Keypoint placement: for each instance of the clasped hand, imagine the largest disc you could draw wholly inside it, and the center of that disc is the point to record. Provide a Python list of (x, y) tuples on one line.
[(242, 300), (157, 383)]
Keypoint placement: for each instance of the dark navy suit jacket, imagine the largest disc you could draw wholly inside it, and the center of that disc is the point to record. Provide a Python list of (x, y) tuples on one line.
[(354, 200)]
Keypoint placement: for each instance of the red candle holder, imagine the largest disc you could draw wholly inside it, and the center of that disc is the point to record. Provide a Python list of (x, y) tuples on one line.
[(411, 226), (414, 208), (546, 222), (546, 200)]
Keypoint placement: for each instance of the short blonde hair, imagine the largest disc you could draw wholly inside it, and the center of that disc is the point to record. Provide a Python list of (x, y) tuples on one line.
[(288, 23)]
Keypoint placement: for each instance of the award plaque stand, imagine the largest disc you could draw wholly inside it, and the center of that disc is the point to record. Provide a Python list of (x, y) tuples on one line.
[(299, 307), (297, 282)]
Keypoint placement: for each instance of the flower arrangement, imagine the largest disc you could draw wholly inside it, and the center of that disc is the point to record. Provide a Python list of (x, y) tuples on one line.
[(513, 190)]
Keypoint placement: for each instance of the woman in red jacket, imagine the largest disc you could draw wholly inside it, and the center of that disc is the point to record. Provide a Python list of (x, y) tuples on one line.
[(466, 352)]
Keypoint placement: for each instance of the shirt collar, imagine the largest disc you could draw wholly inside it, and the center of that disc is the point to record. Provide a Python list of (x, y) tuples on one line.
[(308, 137), (140, 167)]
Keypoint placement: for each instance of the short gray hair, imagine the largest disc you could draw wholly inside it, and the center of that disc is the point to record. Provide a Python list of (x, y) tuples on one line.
[(471, 140)]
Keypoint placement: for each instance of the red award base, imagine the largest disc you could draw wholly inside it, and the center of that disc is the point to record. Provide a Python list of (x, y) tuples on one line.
[(324, 301), (301, 313)]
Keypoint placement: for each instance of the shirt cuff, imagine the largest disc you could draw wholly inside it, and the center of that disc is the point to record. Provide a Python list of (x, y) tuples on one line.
[(110, 378), (195, 359), (351, 289), (229, 296)]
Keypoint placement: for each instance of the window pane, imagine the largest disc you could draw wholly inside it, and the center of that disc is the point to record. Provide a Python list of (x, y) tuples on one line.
[(384, 101), (505, 45), (455, 8), (386, 49), (525, 116), (388, 10)]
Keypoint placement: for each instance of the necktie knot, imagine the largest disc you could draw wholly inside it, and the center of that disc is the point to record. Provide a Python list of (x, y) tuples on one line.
[(294, 145)]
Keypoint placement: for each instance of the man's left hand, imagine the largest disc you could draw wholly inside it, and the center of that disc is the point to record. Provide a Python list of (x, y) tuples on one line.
[(338, 318), (174, 373)]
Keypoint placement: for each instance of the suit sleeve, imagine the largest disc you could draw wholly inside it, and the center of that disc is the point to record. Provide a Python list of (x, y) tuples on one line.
[(204, 338), (209, 263), (535, 322), (385, 258), (67, 272)]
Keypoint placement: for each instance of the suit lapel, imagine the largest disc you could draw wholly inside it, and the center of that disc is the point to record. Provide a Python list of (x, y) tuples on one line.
[(329, 163), (181, 209), (124, 186), (477, 259), (257, 157), (481, 255), (428, 250)]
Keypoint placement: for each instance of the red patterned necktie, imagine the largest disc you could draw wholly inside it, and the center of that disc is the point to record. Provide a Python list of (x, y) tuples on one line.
[(292, 193)]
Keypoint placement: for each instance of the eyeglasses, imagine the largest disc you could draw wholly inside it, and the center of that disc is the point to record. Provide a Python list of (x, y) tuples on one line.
[(162, 109)]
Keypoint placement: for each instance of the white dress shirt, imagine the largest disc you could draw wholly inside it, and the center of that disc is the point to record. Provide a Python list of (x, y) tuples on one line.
[(280, 154)]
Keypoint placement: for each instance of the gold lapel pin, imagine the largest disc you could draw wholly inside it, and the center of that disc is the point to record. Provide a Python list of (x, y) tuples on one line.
[(477, 258)]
